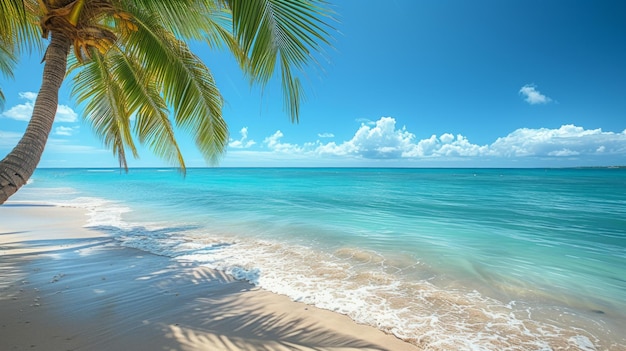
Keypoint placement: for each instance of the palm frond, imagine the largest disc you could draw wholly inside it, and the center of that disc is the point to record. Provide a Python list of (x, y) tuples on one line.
[(152, 124), (18, 32), (7, 61), (149, 70), (185, 82), (106, 107), (180, 16), (187, 19), (19, 26), (11, 11), (7, 64), (292, 31), (218, 32), (202, 20)]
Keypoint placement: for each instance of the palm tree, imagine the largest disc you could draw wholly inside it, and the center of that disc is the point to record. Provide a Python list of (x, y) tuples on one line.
[(131, 59)]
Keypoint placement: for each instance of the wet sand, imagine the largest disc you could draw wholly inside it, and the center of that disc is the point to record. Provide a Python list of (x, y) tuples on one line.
[(67, 287)]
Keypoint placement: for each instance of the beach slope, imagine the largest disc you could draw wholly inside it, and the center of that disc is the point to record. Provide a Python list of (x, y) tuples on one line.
[(67, 287)]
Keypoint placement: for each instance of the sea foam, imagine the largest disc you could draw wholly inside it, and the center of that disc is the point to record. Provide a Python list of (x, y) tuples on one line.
[(363, 285), (245, 229)]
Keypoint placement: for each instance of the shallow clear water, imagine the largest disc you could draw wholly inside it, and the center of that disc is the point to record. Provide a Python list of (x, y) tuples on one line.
[(472, 259)]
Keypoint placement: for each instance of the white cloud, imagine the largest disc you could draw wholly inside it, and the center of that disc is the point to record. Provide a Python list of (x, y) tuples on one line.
[(567, 140), (28, 95), (533, 96), (385, 141), (242, 143), (379, 141), (273, 140), (563, 153), (446, 138), (326, 135), (23, 112), (273, 143), (66, 131), (66, 114)]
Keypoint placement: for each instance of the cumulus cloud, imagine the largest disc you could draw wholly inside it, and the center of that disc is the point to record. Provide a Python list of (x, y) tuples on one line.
[(242, 143), (384, 140), (28, 95), (446, 145), (533, 96), (568, 140), (23, 112), (326, 135), (66, 114), (274, 143)]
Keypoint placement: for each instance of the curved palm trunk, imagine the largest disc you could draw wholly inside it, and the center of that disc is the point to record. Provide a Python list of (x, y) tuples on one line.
[(17, 167)]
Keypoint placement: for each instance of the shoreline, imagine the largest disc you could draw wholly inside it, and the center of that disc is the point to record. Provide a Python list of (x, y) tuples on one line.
[(67, 287)]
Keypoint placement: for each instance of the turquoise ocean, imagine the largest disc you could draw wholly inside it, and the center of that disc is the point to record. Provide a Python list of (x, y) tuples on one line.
[(447, 259)]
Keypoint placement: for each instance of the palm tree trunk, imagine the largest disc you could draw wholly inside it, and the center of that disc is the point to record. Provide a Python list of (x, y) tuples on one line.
[(18, 166)]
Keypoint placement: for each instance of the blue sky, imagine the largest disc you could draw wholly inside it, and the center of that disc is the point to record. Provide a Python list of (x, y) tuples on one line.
[(409, 83)]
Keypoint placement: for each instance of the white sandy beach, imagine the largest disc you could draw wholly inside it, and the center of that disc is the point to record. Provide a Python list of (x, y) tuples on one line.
[(66, 287)]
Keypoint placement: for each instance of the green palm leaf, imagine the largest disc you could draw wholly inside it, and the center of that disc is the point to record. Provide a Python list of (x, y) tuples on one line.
[(188, 19), (185, 82), (12, 12), (202, 20), (149, 70), (19, 28), (18, 32), (152, 124), (7, 63), (292, 31), (140, 99), (136, 76), (106, 107)]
